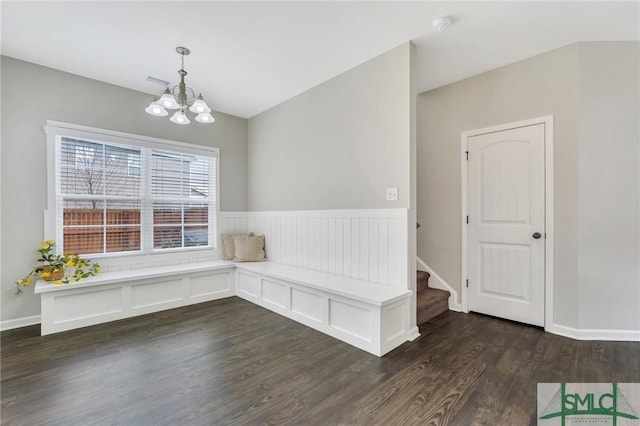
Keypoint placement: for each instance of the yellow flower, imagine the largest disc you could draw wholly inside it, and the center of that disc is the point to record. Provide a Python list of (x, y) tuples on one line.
[(97, 269), (45, 245), (25, 281), (70, 263), (45, 274), (58, 282)]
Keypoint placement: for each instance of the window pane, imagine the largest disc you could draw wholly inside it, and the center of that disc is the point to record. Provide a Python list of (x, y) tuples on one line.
[(81, 167), (164, 213), (83, 213), (196, 213), (84, 240), (196, 236), (83, 227), (123, 239), (123, 213), (92, 168), (118, 163), (199, 178), (169, 175), (123, 226), (133, 165), (87, 222), (167, 237)]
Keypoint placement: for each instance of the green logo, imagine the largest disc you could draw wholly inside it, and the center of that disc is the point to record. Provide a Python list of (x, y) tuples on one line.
[(589, 400)]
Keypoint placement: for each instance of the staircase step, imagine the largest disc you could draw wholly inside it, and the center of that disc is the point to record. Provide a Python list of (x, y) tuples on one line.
[(431, 303), (423, 280)]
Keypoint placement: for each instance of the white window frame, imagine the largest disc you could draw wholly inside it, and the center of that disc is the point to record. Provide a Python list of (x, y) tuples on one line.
[(150, 256)]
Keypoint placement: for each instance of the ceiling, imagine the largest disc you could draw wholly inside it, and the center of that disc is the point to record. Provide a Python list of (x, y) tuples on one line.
[(247, 57)]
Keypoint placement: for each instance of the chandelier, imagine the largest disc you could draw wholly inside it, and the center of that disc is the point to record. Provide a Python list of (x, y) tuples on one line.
[(181, 97)]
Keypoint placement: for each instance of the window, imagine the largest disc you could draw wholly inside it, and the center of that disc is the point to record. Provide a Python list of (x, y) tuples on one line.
[(133, 164), (84, 156), (132, 196)]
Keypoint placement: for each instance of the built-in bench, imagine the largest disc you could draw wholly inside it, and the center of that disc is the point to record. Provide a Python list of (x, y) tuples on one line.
[(116, 295), (367, 315)]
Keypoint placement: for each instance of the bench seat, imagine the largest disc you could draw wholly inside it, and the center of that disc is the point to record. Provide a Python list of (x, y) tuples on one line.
[(367, 315), (111, 296)]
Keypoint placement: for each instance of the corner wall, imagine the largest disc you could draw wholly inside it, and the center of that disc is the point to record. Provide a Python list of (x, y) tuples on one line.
[(591, 89), (37, 94), (338, 145)]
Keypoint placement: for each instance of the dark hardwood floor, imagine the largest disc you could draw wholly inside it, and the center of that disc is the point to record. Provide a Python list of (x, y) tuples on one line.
[(232, 362)]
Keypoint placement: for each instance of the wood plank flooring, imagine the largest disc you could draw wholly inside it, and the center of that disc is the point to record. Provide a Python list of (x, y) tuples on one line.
[(230, 362)]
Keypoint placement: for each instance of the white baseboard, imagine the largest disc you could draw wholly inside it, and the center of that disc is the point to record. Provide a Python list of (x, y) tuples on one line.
[(413, 334), (19, 322), (436, 281), (593, 334)]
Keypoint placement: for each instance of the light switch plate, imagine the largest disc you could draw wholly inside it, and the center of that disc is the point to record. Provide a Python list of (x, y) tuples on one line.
[(392, 194)]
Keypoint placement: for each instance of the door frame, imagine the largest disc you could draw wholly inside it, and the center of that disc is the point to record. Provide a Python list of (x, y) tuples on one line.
[(547, 120)]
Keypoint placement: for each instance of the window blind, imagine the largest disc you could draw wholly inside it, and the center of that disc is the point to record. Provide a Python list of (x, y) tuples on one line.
[(117, 198)]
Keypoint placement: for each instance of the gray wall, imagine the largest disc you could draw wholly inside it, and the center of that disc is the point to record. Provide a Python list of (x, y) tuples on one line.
[(608, 186), (338, 145), (591, 89), (36, 94)]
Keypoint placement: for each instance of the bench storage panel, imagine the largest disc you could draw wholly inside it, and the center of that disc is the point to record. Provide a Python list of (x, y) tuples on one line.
[(369, 316), (117, 295)]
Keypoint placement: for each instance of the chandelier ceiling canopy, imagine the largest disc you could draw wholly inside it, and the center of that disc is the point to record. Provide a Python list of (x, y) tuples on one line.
[(181, 98)]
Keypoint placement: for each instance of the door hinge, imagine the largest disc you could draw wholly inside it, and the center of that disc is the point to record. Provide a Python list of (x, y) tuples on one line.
[(467, 153), (467, 220), (467, 283)]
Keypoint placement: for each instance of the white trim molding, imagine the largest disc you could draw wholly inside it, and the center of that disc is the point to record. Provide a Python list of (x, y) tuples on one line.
[(594, 334), (10, 324), (549, 207), (436, 281)]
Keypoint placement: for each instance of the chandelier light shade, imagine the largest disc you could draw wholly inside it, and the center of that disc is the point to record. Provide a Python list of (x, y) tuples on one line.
[(156, 109), (181, 98)]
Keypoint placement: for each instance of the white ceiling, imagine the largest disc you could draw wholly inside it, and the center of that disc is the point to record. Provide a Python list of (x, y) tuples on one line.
[(249, 56)]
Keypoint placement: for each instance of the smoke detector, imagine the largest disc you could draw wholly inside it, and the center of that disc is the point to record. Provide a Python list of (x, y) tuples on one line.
[(441, 24)]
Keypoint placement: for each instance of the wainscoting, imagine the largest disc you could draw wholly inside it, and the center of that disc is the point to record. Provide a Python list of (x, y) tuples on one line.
[(369, 245)]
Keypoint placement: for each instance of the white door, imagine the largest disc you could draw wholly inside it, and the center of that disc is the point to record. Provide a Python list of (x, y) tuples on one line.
[(506, 229)]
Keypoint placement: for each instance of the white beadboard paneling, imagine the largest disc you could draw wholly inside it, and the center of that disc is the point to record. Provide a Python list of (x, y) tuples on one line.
[(331, 245), (355, 247), (364, 244), (339, 241), (374, 251), (369, 245), (347, 241), (383, 250)]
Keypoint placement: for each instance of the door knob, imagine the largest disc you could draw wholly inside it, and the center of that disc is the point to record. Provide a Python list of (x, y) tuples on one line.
[(536, 235)]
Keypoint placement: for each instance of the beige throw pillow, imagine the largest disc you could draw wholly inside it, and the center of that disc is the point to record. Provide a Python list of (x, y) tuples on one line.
[(229, 246), (249, 248)]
